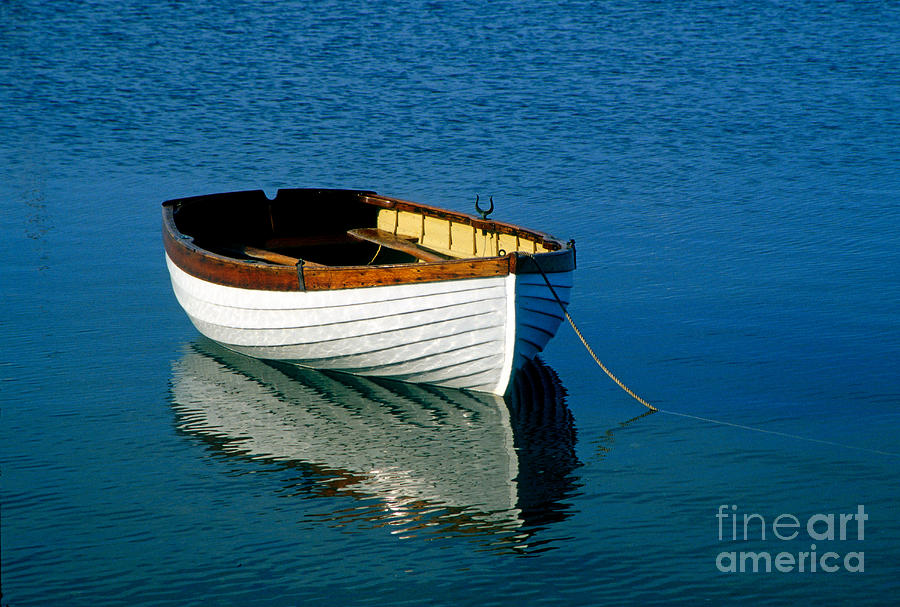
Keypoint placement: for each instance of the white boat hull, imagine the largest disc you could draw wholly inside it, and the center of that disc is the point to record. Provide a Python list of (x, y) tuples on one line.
[(471, 333)]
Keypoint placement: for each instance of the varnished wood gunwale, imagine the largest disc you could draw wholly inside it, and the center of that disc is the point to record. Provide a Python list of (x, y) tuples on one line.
[(249, 274)]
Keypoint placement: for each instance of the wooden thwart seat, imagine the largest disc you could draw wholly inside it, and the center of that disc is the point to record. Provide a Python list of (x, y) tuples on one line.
[(270, 256), (398, 243)]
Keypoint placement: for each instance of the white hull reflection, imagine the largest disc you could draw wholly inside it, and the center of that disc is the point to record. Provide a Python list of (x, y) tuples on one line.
[(437, 460)]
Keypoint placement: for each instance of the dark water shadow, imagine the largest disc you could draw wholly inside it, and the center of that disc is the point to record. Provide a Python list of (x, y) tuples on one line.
[(420, 460)]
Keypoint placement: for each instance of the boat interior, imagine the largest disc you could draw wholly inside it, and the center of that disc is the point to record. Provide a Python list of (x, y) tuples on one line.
[(343, 228)]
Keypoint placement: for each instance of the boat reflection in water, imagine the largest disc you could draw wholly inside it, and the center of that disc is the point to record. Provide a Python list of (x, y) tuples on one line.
[(422, 460)]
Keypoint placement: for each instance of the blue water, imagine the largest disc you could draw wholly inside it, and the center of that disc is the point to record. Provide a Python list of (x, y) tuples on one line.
[(730, 172)]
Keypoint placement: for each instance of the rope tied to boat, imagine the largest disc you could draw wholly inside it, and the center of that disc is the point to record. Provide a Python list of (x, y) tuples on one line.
[(587, 346), (653, 409)]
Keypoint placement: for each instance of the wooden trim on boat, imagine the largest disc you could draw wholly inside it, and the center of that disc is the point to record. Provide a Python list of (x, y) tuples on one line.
[(262, 276)]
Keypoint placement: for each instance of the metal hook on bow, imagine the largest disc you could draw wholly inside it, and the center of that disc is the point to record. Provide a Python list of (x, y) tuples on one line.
[(484, 213)]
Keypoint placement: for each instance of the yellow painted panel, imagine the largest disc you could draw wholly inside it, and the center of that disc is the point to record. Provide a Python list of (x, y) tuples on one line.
[(437, 235), (387, 220), (485, 244), (463, 237), (480, 243), (409, 224), (508, 243)]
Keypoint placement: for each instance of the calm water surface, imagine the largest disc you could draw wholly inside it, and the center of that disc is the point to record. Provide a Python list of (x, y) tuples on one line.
[(729, 170)]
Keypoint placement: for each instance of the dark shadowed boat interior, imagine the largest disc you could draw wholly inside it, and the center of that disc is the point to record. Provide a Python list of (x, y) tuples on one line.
[(332, 238)]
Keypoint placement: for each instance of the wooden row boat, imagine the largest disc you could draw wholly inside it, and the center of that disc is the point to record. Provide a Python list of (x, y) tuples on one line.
[(352, 281)]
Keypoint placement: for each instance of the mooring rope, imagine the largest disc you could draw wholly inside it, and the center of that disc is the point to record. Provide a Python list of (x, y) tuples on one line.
[(653, 409), (776, 433), (587, 346)]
